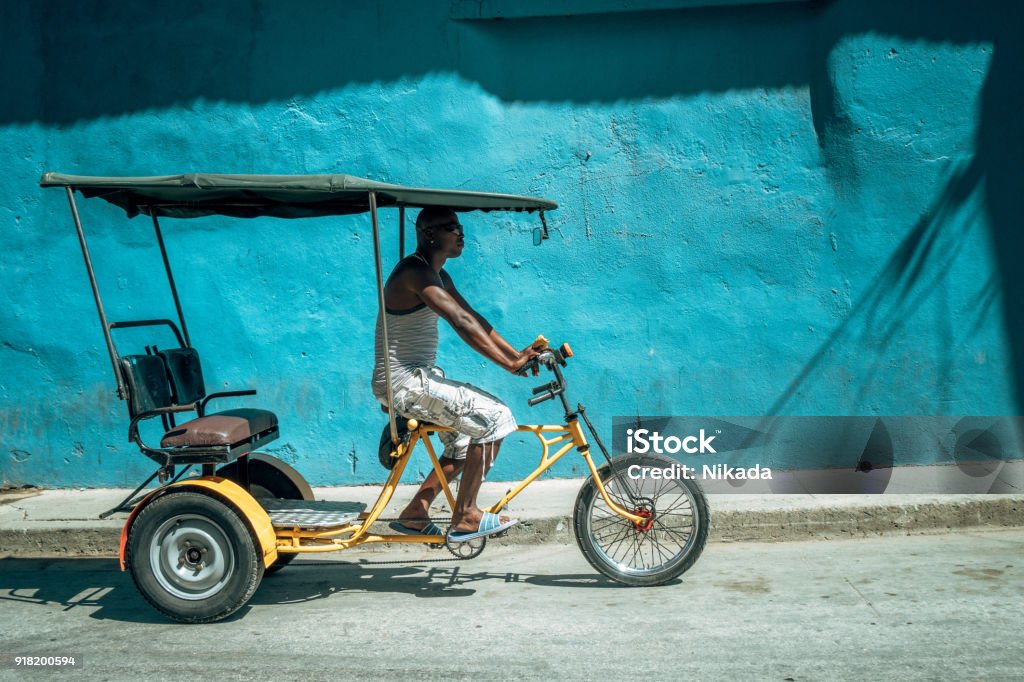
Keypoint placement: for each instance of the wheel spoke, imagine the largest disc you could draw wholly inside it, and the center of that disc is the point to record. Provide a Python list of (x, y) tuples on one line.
[(613, 536), (631, 492), (675, 533), (614, 520), (623, 500), (658, 486), (620, 538), (651, 538), (684, 500), (657, 547), (625, 544)]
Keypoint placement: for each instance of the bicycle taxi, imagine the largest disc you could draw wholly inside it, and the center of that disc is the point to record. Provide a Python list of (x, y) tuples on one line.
[(197, 547)]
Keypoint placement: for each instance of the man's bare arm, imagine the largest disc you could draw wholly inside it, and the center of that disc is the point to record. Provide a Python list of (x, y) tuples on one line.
[(499, 340), (426, 284)]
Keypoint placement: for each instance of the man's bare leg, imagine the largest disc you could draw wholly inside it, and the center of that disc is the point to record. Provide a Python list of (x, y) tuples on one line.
[(467, 515), (418, 510)]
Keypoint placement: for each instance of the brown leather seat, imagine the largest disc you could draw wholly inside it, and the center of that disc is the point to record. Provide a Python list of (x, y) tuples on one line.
[(229, 427)]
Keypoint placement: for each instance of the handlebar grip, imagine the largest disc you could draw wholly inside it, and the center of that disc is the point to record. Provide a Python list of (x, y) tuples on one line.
[(541, 389), (539, 399)]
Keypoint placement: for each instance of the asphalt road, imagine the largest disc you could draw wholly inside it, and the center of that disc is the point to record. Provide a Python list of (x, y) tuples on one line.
[(893, 608)]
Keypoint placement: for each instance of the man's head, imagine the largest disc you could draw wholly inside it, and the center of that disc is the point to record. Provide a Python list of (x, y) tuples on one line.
[(438, 229)]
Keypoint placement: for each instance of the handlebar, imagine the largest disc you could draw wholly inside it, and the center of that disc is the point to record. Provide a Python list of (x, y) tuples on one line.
[(552, 359), (539, 399)]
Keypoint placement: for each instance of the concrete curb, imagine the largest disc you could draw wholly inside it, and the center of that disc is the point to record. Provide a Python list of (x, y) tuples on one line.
[(64, 523), (840, 522)]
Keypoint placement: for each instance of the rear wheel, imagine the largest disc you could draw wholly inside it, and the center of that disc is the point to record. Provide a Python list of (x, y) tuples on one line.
[(662, 547), (193, 557), (269, 477)]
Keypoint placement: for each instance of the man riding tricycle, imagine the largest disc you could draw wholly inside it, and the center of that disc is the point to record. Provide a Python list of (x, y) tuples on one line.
[(197, 547)]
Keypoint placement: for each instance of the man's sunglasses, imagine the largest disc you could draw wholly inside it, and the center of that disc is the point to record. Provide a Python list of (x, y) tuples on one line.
[(454, 226)]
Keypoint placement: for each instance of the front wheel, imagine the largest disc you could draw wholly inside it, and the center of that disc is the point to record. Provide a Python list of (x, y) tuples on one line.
[(665, 545)]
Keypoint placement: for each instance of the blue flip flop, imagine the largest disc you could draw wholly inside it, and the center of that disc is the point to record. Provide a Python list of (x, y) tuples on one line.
[(430, 529), (490, 524)]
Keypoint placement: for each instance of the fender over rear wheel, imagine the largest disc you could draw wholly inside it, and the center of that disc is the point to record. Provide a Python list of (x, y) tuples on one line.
[(269, 477)]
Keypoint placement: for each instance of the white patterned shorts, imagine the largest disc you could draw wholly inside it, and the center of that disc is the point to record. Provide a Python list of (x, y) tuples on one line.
[(476, 415)]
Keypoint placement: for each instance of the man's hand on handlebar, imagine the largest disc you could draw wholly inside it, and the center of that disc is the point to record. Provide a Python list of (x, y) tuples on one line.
[(525, 362), (538, 353)]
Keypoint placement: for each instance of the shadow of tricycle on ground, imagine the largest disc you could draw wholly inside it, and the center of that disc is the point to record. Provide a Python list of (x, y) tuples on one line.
[(441, 577), (74, 584), (98, 584)]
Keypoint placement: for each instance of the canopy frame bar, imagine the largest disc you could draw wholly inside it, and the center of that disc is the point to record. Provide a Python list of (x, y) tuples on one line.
[(383, 317), (122, 392), (170, 280), (401, 232)]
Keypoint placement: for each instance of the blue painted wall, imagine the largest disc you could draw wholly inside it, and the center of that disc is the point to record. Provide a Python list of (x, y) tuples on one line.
[(803, 208)]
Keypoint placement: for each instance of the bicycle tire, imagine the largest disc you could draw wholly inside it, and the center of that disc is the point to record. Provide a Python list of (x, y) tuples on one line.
[(627, 553)]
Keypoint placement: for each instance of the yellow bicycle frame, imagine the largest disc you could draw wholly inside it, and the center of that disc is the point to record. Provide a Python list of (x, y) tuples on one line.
[(298, 540)]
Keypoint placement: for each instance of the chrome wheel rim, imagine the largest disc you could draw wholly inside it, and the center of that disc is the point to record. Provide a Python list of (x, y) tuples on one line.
[(628, 548), (191, 557)]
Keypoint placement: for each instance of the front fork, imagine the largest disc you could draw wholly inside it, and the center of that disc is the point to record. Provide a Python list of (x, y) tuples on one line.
[(581, 444)]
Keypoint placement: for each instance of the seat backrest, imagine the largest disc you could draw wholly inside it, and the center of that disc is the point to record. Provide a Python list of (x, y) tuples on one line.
[(185, 375), (146, 379)]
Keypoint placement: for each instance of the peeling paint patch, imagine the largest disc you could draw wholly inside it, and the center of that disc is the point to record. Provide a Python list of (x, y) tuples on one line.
[(20, 456), (353, 458), (285, 452), (28, 350)]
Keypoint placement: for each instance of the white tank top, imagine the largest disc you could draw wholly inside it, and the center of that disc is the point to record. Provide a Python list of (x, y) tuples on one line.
[(412, 344)]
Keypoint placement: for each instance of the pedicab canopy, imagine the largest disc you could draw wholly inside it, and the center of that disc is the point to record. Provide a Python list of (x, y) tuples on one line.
[(282, 196)]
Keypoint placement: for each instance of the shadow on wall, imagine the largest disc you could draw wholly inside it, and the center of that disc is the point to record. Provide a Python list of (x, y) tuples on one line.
[(1000, 150), (925, 255), (912, 273), (92, 59)]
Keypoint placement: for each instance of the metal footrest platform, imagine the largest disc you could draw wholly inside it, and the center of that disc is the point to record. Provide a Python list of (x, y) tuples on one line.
[(311, 514)]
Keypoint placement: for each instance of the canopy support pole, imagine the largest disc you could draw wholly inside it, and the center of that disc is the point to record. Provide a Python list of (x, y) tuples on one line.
[(401, 232), (383, 316), (121, 392), (170, 280)]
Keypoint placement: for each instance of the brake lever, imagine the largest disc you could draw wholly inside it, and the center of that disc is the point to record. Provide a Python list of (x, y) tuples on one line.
[(526, 369), (532, 365)]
